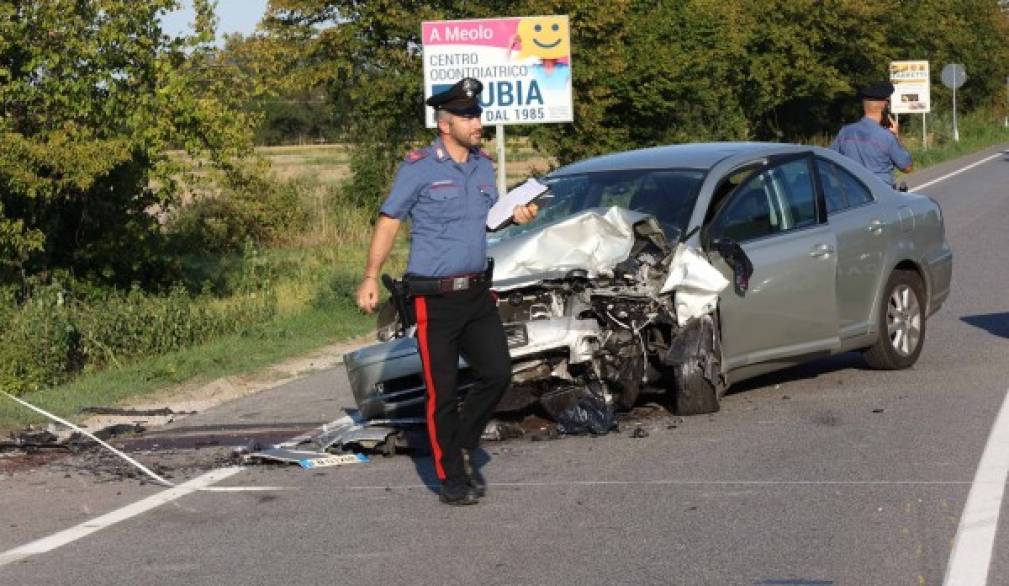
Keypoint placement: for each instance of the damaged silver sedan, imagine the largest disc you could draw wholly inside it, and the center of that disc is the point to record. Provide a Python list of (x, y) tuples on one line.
[(684, 269)]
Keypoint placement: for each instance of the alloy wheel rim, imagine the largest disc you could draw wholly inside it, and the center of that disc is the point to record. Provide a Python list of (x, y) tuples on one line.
[(903, 320)]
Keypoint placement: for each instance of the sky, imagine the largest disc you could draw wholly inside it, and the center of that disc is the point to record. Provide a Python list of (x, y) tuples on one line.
[(234, 16)]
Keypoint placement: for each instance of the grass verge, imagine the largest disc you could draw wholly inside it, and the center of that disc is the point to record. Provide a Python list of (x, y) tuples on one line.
[(316, 309), (978, 131)]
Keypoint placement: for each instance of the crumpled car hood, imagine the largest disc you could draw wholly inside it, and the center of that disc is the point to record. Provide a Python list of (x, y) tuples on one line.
[(594, 240)]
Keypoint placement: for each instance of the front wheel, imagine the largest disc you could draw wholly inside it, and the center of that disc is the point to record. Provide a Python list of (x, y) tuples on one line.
[(901, 323), (695, 395)]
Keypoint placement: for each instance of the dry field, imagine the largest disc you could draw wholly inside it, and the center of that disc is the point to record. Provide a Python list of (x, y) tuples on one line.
[(331, 163)]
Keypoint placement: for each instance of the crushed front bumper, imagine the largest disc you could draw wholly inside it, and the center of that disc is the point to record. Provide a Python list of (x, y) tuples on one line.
[(387, 378)]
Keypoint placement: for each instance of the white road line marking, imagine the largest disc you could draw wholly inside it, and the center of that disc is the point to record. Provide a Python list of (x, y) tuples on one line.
[(970, 559), (958, 171), (72, 534)]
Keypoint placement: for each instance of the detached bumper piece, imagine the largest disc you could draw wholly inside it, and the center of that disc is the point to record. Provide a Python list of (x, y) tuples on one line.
[(341, 442)]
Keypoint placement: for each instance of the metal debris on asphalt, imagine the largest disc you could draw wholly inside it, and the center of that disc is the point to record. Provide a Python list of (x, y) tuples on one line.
[(100, 441), (162, 412), (134, 463), (498, 430)]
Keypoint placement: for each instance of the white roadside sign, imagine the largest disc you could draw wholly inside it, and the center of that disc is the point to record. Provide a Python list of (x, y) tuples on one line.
[(911, 94), (524, 65)]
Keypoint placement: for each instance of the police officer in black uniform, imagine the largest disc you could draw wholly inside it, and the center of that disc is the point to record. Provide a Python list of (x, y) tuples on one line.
[(446, 189)]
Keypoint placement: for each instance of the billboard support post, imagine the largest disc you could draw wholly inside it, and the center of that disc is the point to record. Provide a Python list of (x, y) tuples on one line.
[(956, 131), (953, 76), (499, 137)]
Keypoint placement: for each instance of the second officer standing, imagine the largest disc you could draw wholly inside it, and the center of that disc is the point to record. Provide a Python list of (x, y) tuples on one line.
[(447, 189), (874, 140)]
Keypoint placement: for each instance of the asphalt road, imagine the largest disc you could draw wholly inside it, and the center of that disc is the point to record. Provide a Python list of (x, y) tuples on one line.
[(824, 474)]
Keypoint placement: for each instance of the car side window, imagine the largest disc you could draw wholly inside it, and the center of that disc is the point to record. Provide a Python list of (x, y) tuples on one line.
[(841, 189), (833, 189), (775, 200), (856, 191), (799, 201)]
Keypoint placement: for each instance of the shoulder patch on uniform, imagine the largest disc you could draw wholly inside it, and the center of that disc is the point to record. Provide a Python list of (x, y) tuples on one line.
[(416, 155)]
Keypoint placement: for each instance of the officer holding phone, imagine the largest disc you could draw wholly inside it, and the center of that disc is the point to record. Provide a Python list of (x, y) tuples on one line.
[(873, 140)]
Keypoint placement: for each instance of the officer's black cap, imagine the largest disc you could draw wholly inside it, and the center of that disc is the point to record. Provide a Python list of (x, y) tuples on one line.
[(460, 99), (876, 91)]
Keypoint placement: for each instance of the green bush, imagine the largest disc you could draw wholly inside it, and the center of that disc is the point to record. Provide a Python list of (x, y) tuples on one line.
[(259, 209), (57, 333), (40, 344)]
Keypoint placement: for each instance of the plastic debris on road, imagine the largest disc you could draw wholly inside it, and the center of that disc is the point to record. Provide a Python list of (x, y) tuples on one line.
[(579, 410)]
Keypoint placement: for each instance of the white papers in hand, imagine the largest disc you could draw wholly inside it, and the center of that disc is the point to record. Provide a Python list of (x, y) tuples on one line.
[(505, 206)]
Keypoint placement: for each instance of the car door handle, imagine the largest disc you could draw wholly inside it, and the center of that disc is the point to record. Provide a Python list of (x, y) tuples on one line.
[(875, 226), (821, 251)]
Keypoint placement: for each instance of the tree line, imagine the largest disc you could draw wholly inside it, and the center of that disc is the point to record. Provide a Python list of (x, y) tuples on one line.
[(645, 72)]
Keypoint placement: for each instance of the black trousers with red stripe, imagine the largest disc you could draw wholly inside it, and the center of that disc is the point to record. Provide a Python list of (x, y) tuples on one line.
[(462, 323)]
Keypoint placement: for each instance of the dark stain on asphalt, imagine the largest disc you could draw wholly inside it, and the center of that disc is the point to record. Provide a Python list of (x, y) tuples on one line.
[(794, 582), (827, 419)]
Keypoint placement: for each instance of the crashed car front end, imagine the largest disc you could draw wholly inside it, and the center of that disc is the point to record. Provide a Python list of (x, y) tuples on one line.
[(598, 302)]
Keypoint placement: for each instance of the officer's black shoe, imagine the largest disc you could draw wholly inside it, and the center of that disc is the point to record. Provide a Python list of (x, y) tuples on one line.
[(457, 493), (475, 480)]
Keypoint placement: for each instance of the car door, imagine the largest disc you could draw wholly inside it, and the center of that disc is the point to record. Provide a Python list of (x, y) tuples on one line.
[(789, 308), (856, 218)]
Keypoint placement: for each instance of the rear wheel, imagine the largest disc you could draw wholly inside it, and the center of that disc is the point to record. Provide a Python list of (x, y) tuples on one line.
[(901, 323)]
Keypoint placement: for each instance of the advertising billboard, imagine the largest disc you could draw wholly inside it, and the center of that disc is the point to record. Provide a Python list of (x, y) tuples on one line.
[(524, 64), (911, 87)]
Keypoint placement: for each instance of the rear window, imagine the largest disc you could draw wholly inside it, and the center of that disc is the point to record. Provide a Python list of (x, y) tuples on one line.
[(840, 188)]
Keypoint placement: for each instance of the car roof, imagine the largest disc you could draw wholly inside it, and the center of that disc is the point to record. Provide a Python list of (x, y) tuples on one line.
[(702, 156)]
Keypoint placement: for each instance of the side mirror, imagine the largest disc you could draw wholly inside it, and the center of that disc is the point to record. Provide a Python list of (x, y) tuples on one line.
[(737, 259), (706, 243)]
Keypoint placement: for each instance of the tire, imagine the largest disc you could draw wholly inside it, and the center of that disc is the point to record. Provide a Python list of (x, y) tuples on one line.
[(901, 323), (694, 394)]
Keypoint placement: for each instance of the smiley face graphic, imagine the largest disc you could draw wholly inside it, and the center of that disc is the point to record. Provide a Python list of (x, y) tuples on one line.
[(545, 37)]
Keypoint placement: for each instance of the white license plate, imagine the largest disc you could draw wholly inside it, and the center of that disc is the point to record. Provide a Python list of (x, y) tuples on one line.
[(332, 461)]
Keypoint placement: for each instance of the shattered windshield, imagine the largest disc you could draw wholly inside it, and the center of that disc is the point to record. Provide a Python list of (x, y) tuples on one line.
[(667, 194)]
